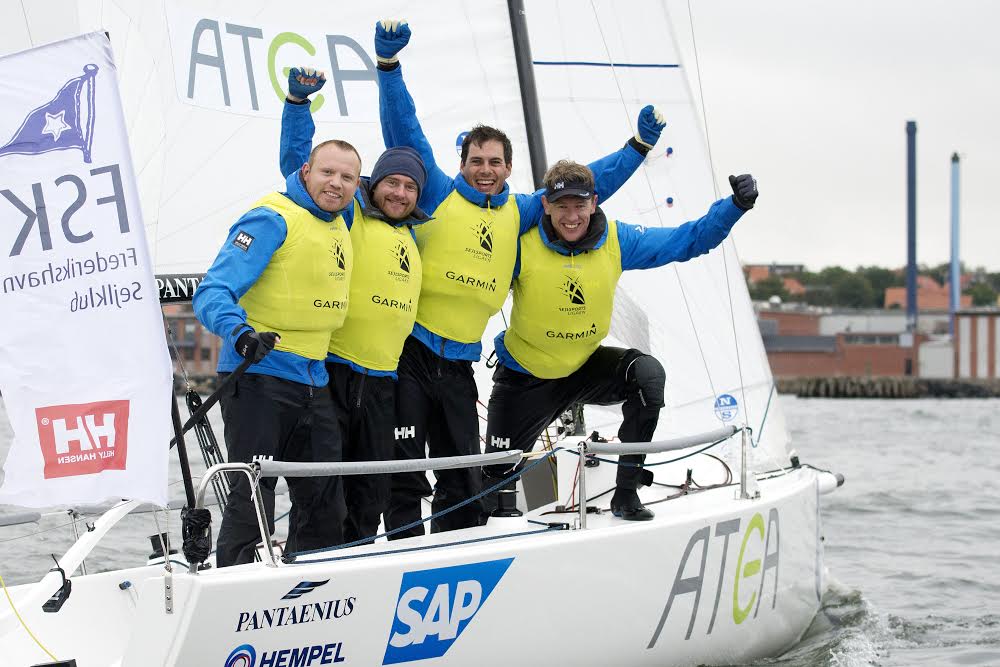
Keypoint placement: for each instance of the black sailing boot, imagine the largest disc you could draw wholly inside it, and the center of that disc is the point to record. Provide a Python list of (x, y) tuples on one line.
[(625, 503)]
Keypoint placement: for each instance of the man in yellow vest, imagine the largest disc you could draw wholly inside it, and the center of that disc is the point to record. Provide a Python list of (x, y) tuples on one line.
[(469, 250), (385, 286), (281, 280), (551, 356)]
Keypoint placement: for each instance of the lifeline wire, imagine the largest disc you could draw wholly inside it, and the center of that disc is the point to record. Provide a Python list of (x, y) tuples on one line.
[(436, 515)]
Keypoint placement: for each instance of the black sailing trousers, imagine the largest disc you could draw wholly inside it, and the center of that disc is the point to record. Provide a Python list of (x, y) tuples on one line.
[(365, 408), (273, 417), (521, 405), (435, 407)]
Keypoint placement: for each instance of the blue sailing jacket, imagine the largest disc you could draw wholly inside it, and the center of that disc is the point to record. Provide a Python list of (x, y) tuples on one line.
[(235, 270), (400, 127), (647, 248)]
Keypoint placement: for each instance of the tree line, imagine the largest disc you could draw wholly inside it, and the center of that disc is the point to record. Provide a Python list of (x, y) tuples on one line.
[(865, 286)]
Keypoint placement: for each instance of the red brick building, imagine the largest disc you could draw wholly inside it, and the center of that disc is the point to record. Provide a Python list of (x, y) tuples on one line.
[(795, 348), (930, 296)]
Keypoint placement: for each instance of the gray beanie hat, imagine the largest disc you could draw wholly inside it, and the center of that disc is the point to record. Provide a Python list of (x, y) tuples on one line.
[(400, 160)]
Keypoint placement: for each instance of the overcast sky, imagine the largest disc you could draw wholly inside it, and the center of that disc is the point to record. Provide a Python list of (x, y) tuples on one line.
[(813, 98)]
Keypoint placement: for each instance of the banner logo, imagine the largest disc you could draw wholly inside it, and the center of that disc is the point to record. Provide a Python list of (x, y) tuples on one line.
[(436, 606), (61, 123), (242, 656), (302, 588), (726, 407), (83, 439)]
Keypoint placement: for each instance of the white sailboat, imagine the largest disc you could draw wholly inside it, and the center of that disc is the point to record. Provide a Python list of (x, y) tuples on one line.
[(730, 570)]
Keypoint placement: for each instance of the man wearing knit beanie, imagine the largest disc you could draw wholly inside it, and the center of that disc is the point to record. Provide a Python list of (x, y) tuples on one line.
[(385, 286), (397, 181)]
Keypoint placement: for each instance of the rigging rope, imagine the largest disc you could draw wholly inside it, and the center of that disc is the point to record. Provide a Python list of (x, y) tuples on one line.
[(652, 196), (715, 185)]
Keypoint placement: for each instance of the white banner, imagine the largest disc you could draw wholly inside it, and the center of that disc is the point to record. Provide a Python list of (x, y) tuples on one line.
[(84, 368)]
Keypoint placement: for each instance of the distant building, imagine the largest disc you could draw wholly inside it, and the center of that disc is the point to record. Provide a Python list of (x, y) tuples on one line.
[(977, 340), (757, 272), (801, 341), (197, 348), (931, 295)]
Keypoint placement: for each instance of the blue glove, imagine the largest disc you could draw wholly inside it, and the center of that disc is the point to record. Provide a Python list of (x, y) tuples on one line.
[(303, 82), (391, 35), (744, 190), (651, 123)]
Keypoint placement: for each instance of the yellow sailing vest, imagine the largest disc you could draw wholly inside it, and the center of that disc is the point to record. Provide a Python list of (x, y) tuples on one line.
[(302, 293), (468, 254), (562, 305), (385, 288)]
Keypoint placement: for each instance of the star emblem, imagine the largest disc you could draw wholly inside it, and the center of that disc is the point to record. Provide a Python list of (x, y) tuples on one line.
[(55, 124)]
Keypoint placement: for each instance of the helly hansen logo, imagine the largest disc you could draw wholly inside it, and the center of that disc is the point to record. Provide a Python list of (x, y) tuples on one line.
[(83, 438), (337, 252), (243, 241), (302, 588), (500, 443), (574, 290), (402, 256), (404, 432)]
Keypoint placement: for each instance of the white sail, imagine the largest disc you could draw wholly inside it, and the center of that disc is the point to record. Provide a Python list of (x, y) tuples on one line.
[(698, 584), (695, 317), (204, 152)]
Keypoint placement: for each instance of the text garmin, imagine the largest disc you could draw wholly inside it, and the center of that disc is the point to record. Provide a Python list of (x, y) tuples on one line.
[(436, 606), (758, 553), (405, 306), (337, 305), (472, 281), (573, 335), (277, 617)]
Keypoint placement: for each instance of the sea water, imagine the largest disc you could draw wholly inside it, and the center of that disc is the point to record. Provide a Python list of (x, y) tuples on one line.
[(912, 539)]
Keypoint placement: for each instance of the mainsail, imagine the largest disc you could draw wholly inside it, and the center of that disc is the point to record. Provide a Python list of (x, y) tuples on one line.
[(202, 88)]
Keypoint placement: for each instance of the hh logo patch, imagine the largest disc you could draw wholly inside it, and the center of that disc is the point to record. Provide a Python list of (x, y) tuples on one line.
[(243, 241), (436, 606), (84, 438)]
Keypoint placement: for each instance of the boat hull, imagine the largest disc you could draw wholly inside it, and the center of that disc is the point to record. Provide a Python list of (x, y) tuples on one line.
[(711, 580)]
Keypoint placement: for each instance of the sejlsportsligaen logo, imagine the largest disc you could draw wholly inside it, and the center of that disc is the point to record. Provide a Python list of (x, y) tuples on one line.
[(436, 606), (242, 656)]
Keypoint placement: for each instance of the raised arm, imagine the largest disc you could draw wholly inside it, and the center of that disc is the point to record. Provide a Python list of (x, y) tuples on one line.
[(398, 113), (610, 172), (297, 126), (648, 247)]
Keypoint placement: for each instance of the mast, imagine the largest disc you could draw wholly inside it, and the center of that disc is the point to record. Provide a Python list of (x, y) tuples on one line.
[(529, 95), (911, 226), (956, 272)]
